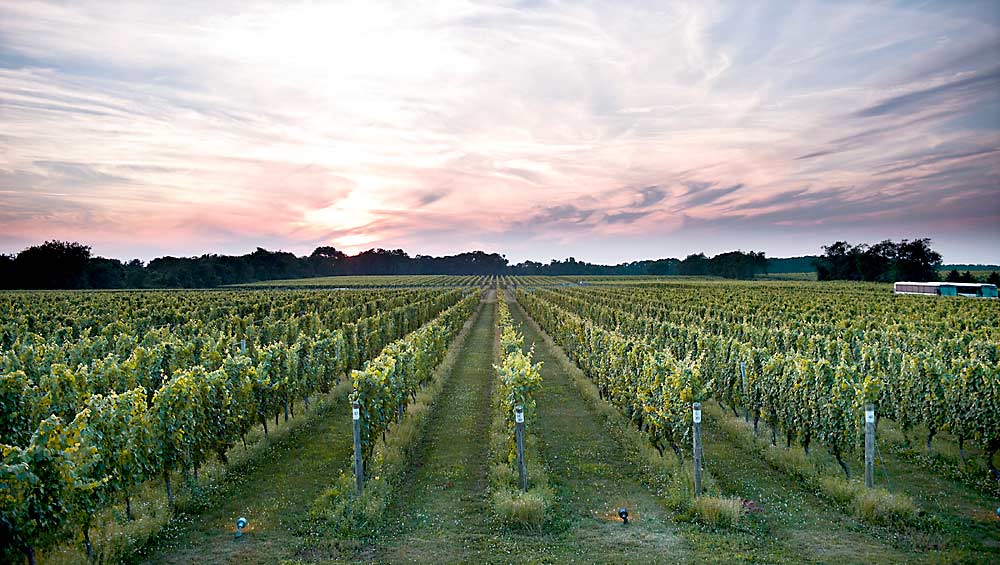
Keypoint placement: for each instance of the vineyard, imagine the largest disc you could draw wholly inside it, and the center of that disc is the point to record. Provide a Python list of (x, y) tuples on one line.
[(102, 392), (417, 281), (390, 281), (809, 375), (486, 408)]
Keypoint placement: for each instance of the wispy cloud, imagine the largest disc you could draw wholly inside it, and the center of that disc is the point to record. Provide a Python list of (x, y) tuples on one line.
[(624, 217), (560, 215), (606, 130), (957, 94), (650, 195), (701, 193)]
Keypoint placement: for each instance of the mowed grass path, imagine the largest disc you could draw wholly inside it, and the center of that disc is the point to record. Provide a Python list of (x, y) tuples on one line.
[(799, 525), (592, 477), (440, 514), (963, 530), (443, 514), (274, 492)]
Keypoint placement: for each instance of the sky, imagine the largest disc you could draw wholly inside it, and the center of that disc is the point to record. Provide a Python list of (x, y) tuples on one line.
[(606, 131)]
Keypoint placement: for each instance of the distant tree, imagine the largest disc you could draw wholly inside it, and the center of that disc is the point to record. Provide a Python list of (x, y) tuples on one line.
[(169, 272), (104, 273), (916, 261), (327, 252), (53, 264), (885, 261), (269, 265), (324, 261), (732, 265), (792, 264), (879, 262), (694, 264), (737, 265), (135, 274), (967, 277), (7, 272), (839, 262), (528, 268), (994, 278), (953, 276), (663, 267)]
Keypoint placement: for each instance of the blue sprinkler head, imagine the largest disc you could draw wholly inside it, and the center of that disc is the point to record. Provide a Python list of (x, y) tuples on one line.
[(623, 514), (240, 524), (998, 512)]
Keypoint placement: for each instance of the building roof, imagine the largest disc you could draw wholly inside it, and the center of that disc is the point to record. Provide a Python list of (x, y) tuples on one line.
[(945, 283)]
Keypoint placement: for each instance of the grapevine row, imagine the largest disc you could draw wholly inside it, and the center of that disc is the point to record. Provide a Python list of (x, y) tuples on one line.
[(813, 385), (650, 386), (93, 448), (389, 381), (518, 379)]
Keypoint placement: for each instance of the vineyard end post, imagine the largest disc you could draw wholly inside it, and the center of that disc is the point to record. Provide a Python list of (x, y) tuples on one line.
[(697, 447), (869, 445), (359, 470), (743, 379), (522, 467)]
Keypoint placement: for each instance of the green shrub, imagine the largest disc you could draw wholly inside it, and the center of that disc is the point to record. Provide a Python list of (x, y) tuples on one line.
[(875, 506), (680, 489), (522, 508), (881, 507), (717, 511), (502, 474), (839, 490), (334, 506), (792, 461)]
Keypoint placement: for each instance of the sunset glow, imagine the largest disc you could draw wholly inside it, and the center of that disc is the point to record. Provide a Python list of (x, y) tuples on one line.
[(606, 131)]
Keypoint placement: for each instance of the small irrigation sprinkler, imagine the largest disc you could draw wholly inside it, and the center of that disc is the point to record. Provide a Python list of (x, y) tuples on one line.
[(240, 524), (623, 514)]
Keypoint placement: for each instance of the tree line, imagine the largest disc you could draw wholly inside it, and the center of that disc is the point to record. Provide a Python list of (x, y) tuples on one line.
[(888, 261), (967, 277), (71, 265), (733, 265)]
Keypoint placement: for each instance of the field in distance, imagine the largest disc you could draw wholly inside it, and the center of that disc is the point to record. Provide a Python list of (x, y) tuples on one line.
[(398, 281)]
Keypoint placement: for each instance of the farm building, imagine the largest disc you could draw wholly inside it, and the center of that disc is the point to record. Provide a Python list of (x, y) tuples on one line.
[(978, 290)]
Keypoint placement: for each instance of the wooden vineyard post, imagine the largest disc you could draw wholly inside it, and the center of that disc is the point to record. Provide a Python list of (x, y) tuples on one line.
[(869, 445), (522, 468), (743, 379), (243, 346), (697, 448), (359, 470)]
